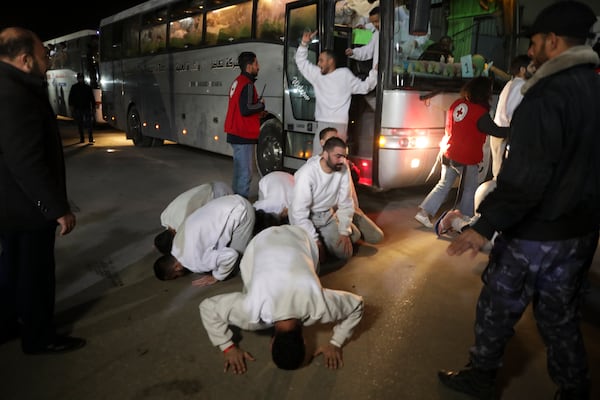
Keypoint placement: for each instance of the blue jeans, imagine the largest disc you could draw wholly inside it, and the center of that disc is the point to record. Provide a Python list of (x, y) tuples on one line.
[(439, 193), (242, 168)]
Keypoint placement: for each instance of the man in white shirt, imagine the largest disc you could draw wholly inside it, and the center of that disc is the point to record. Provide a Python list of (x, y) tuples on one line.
[(209, 241), (370, 50), (509, 99), (371, 233), (183, 205), (333, 88), (275, 191), (322, 203), (281, 291)]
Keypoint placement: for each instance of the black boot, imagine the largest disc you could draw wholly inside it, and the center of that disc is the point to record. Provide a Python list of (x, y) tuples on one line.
[(472, 381)]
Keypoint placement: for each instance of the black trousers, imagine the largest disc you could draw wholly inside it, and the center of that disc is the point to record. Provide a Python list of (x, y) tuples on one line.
[(27, 284)]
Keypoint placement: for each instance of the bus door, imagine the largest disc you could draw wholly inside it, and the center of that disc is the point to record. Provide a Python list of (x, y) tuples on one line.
[(299, 126)]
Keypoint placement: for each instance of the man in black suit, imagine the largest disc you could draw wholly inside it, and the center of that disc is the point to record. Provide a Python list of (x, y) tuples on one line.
[(33, 196)]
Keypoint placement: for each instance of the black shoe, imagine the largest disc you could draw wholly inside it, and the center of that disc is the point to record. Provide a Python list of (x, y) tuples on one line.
[(61, 344), (472, 381), (82, 141), (92, 141)]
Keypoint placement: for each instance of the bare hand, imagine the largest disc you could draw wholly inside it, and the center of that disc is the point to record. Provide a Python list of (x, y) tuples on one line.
[(349, 52), (334, 358), (236, 359), (67, 223), (204, 281), (467, 240), (307, 37), (346, 243)]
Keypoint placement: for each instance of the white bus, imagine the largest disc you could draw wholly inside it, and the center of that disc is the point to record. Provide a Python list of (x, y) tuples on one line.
[(167, 66), (69, 55)]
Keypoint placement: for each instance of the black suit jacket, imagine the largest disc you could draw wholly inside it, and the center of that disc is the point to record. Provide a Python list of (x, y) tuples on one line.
[(32, 169)]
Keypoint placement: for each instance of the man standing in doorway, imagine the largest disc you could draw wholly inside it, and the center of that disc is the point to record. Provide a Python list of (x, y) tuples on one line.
[(242, 123), (83, 104), (333, 87)]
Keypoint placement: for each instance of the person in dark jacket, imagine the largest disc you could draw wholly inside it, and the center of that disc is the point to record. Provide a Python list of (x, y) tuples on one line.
[(546, 206), (83, 104), (33, 196), (242, 122)]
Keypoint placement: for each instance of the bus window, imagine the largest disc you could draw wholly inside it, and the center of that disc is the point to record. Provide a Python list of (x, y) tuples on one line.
[(302, 95), (154, 32), (185, 28), (229, 24), (185, 32), (270, 16), (131, 37)]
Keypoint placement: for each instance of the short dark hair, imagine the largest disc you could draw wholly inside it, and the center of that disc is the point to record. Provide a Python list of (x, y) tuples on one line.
[(164, 241), (163, 267), (325, 131), (520, 61), (331, 54), (374, 11), (264, 220), (246, 58), (332, 143), (288, 349), (478, 90)]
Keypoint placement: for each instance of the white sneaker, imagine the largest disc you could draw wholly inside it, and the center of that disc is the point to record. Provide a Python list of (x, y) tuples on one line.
[(424, 219)]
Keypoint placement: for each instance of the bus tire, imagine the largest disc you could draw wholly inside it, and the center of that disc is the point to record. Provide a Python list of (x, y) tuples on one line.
[(269, 151), (134, 129)]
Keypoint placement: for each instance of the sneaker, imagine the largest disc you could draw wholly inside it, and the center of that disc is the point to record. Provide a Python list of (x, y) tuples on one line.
[(472, 381), (424, 219)]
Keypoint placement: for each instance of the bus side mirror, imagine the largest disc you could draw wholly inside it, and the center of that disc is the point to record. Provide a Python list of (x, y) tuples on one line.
[(418, 23)]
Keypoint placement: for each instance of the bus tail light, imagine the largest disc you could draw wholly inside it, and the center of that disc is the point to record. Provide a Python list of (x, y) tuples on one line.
[(365, 172), (392, 138)]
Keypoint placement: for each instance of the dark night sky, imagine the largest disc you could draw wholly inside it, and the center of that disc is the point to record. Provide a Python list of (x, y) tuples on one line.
[(50, 19)]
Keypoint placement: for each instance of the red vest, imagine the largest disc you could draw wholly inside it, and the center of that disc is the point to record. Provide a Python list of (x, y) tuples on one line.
[(463, 142), (235, 123)]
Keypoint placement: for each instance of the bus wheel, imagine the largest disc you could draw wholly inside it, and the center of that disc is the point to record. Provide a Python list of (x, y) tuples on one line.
[(134, 129), (269, 151)]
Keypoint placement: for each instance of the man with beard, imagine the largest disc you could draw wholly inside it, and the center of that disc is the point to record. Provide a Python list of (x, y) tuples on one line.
[(242, 122), (333, 87), (546, 206), (33, 197), (322, 202)]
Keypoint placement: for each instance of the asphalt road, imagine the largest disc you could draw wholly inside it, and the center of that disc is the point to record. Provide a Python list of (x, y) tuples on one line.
[(145, 337)]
